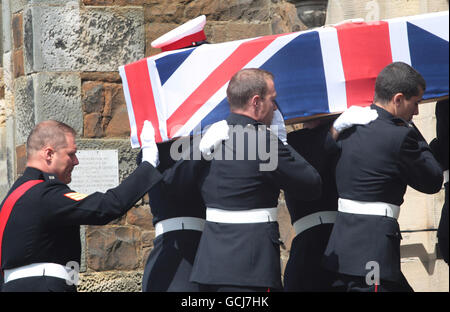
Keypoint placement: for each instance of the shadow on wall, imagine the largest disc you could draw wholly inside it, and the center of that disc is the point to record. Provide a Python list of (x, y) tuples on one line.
[(428, 260)]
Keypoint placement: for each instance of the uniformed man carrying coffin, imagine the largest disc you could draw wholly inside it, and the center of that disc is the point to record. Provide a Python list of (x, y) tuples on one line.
[(313, 220), (376, 163), (176, 203), (40, 217), (240, 245)]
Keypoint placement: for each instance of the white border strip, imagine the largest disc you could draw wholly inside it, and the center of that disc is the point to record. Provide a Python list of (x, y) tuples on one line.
[(158, 96), (133, 134), (334, 71), (398, 34)]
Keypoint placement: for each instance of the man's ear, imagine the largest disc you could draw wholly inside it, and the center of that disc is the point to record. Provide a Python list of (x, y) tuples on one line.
[(254, 102), (48, 153), (398, 99)]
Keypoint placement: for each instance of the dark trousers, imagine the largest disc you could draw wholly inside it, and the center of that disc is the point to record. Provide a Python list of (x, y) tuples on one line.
[(228, 288), (38, 284), (349, 283), (303, 270), (169, 264)]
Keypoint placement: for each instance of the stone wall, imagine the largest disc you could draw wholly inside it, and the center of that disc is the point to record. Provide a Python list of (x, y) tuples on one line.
[(60, 60)]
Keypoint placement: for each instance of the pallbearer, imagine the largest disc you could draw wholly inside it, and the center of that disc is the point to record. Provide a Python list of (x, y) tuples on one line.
[(376, 164), (176, 204)]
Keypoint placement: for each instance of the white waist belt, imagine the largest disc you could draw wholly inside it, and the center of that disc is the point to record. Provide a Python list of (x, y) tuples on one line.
[(368, 208), (258, 215), (180, 223), (38, 269), (309, 221), (445, 176)]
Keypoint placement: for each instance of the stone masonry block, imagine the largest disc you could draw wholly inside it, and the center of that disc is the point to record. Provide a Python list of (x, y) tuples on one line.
[(24, 108), (247, 10), (433, 277), (10, 150), (7, 79), (221, 32), (70, 38), (93, 97), (141, 217), (18, 66), (114, 2), (229, 10), (21, 159), (105, 110), (419, 264), (339, 10), (92, 125), (420, 211), (18, 5), (17, 30), (119, 125), (58, 96), (426, 120), (113, 248), (6, 26), (4, 186)]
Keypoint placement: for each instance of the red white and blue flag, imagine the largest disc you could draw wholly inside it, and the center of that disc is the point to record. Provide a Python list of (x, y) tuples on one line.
[(319, 71)]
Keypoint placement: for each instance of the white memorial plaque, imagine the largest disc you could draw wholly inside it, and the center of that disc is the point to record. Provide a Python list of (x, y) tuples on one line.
[(97, 171)]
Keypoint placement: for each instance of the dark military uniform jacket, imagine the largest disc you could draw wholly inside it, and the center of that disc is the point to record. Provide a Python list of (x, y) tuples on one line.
[(44, 224), (440, 149), (178, 194), (169, 264), (248, 254), (303, 270), (320, 150), (376, 164)]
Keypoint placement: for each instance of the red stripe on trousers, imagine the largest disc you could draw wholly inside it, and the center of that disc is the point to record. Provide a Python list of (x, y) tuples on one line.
[(9, 204), (142, 98), (365, 50)]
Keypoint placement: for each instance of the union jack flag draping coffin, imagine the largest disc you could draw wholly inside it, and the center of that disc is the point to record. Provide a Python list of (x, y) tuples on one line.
[(319, 71)]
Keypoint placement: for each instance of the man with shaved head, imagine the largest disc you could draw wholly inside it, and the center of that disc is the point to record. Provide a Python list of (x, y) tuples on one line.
[(40, 217)]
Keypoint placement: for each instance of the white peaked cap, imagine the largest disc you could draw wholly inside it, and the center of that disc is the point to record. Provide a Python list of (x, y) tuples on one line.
[(183, 36)]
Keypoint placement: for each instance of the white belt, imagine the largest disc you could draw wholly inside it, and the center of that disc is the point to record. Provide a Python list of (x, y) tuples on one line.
[(258, 215), (38, 269), (445, 176), (180, 223), (368, 208), (309, 221)]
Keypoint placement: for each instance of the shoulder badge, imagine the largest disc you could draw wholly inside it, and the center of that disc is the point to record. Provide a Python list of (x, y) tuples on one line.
[(50, 177), (76, 196), (400, 122)]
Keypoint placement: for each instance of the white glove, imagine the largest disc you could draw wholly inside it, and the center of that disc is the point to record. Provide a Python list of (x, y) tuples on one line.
[(148, 144), (354, 115), (216, 133), (277, 126)]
